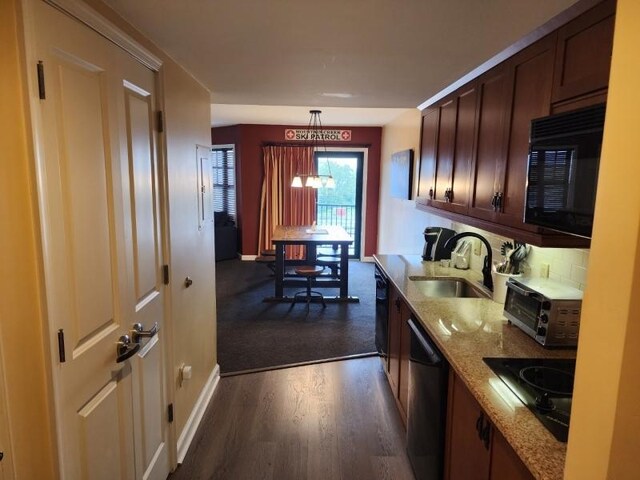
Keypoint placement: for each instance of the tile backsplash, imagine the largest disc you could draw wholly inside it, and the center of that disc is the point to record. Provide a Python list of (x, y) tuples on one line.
[(567, 265)]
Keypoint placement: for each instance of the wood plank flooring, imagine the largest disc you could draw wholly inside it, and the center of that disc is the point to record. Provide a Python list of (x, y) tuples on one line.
[(325, 421)]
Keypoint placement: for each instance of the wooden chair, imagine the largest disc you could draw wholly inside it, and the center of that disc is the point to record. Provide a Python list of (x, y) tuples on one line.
[(309, 272)]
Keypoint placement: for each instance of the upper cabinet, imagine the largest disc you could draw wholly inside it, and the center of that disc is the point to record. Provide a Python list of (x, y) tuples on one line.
[(583, 53), (448, 151), (475, 141)]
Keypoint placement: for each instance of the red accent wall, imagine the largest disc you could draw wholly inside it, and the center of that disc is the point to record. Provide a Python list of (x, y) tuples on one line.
[(249, 140)]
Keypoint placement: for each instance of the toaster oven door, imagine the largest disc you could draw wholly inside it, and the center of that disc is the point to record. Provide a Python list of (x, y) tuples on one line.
[(522, 307)]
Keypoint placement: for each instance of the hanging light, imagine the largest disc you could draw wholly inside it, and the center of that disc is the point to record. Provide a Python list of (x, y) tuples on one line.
[(316, 135)]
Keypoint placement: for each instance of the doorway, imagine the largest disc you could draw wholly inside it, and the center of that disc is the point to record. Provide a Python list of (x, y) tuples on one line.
[(342, 205)]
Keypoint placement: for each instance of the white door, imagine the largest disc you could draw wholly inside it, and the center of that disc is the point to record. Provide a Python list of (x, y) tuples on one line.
[(103, 257)]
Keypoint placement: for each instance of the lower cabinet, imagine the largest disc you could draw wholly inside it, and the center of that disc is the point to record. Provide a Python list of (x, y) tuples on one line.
[(399, 344), (475, 449)]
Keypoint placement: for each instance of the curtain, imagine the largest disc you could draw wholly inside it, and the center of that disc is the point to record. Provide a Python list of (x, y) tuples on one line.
[(280, 204)]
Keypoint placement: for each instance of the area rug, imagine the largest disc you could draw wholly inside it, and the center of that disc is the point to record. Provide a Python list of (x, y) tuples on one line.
[(254, 335)]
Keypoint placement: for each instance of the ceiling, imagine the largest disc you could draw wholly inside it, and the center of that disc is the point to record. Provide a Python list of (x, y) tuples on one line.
[(331, 53)]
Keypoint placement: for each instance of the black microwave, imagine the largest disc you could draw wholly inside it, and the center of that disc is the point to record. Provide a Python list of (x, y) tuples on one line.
[(562, 173)]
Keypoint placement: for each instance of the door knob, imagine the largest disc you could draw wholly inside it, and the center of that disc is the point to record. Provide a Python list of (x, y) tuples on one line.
[(125, 349), (138, 332), (188, 282)]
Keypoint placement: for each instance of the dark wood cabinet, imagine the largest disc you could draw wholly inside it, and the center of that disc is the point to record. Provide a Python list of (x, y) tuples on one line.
[(445, 150), (531, 72), (475, 141), (468, 456), (399, 344), (583, 53), (475, 449), (460, 184), (393, 364), (505, 463), (429, 143), (494, 91)]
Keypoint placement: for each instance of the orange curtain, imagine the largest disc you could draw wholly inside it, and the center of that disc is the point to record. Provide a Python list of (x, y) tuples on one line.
[(281, 204)]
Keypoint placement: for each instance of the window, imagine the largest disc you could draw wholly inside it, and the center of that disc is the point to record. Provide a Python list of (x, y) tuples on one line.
[(224, 180)]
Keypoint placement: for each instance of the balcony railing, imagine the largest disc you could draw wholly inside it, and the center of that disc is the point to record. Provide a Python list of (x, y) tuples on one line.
[(342, 215)]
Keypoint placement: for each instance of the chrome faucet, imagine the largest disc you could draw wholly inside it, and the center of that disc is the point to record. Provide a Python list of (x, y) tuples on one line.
[(487, 281)]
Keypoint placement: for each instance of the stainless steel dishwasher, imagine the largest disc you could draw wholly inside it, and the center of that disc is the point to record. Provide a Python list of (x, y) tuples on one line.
[(426, 415)]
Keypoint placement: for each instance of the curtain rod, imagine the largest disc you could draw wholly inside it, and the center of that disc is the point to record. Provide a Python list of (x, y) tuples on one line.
[(329, 145)]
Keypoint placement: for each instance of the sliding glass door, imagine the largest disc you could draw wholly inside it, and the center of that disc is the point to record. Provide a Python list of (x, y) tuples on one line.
[(342, 205)]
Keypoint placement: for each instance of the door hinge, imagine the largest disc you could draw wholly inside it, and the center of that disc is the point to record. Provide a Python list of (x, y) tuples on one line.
[(41, 92), (165, 274), (61, 354), (159, 121), (170, 413)]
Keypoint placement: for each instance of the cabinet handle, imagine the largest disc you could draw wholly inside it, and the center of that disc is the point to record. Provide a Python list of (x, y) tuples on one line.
[(498, 201), (450, 197), (486, 435), (431, 193), (494, 199), (479, 422)]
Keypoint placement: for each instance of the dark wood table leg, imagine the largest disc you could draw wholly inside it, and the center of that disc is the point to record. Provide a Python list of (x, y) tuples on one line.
[(344, 270), (279, 270)]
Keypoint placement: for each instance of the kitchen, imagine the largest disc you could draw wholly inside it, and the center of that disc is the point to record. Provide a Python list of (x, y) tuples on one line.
[(600, 446)]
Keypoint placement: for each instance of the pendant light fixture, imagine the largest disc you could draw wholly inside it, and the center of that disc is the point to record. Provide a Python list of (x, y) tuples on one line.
[(316, 135)]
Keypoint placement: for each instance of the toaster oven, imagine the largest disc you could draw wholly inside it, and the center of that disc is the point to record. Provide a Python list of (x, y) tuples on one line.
[(544, 309)]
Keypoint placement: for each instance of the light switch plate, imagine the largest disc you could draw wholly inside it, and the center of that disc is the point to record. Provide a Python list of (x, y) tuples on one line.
[(544, 270)]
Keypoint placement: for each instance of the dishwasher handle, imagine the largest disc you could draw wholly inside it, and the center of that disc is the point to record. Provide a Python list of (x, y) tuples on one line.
[(430, 350)]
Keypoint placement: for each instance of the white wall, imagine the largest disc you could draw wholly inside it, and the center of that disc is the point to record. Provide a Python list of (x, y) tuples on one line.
[(400, 223)]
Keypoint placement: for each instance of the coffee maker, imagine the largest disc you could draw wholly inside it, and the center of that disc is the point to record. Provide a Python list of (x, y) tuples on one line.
[(434, 240)]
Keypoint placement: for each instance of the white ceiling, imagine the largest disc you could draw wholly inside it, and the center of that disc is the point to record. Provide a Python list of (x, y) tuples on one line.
[(331, 53)]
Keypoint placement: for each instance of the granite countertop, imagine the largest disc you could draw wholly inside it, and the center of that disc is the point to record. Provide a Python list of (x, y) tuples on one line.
[(468, 329)]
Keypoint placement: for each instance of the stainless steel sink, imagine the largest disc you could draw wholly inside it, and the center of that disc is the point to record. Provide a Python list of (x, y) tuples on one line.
[(447, 287)]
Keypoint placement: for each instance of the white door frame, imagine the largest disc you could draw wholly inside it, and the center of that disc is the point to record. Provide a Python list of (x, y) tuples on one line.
[(89, 17)]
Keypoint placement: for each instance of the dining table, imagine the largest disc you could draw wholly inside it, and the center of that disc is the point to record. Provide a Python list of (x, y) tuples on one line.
[(311, 237)]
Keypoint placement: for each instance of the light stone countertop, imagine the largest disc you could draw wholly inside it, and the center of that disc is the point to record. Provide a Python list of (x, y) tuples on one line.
[(468, 329)]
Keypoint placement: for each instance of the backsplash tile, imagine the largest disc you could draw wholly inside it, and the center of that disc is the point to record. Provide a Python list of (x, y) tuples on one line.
[(566, 265)]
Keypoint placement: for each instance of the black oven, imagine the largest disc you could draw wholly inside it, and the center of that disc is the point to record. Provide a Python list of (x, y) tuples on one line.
[(562, 175)]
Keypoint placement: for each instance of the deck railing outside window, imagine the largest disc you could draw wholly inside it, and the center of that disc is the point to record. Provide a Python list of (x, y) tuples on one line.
[(342, 215)]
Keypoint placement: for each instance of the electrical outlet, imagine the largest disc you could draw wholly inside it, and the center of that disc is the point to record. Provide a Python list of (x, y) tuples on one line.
[(544, 270), (477, 247)]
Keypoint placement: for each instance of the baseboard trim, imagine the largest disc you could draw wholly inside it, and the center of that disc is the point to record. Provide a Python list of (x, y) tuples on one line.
[(189, 430), (249, 258)]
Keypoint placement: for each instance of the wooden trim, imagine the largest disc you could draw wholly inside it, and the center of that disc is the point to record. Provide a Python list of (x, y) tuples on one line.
[(543, 30), (301, 364), (108, 30), (190, 428), (544, 238)]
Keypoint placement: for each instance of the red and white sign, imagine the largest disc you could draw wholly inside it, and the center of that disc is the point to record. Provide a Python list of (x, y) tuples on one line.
[(305, 135)]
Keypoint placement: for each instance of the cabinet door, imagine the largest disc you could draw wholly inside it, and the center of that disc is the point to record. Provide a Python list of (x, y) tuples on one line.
[(463, 156), (532, 74), (446, 145), (405, 347), (467, 456), (428, 151), (393, 367), (583, 55), (505, 463), (494, 88)]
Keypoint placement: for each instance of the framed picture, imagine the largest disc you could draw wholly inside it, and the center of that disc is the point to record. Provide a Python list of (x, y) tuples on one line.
[(402, 174)]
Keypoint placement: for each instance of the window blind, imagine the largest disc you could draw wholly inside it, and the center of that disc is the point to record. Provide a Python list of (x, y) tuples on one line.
[(224, 180)]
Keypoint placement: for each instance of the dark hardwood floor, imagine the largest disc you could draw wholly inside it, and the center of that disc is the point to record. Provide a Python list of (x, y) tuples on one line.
[(325, 421)]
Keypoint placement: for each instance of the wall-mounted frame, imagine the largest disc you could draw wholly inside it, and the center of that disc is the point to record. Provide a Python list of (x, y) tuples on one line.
[(402, 174)]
